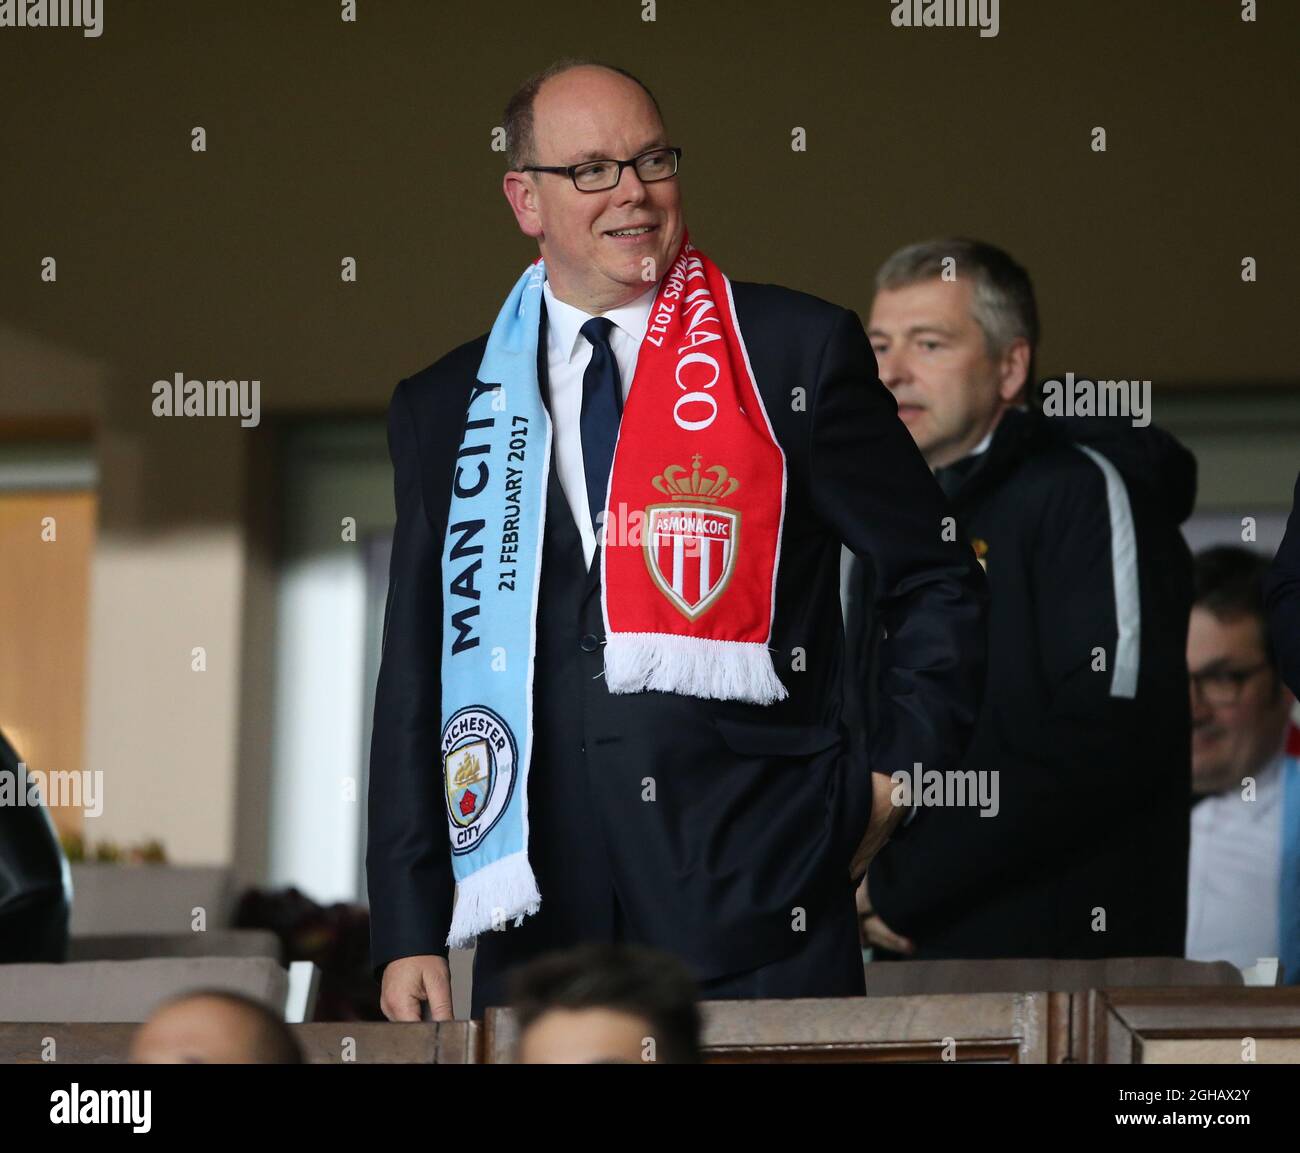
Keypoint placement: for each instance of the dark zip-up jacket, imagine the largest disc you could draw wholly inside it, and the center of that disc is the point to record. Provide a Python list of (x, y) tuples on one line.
[(1086, 712)]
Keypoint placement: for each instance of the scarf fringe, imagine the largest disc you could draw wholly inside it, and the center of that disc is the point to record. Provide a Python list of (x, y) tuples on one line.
[(693, 666), (489, 897)]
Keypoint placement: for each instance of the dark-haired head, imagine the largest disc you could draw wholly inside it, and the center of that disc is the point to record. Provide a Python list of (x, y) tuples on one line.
[(1239, 704), (606, 1003)]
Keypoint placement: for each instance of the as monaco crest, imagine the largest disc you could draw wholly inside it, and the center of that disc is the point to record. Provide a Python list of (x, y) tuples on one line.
[(690, 544)]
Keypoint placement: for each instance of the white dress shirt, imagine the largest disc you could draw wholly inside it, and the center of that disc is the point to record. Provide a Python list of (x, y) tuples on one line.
[(1233, 873), (568, 353)]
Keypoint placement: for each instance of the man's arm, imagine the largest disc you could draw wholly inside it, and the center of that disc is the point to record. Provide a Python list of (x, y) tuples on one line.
[(871, 485), (408, 862), (1283, 590)]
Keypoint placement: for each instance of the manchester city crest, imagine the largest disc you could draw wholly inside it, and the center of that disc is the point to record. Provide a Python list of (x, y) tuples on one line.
[(479, 758), (690, 544)]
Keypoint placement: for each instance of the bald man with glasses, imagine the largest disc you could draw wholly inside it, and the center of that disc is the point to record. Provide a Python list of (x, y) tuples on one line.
[(584, 735)]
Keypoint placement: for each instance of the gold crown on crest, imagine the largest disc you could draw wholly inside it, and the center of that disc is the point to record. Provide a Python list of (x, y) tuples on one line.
[(698, 487)]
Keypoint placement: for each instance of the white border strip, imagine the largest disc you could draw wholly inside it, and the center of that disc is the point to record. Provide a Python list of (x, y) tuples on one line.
[(1124, 564)]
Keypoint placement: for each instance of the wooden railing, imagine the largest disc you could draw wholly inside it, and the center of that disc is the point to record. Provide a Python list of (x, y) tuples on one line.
[(1099, 1026)]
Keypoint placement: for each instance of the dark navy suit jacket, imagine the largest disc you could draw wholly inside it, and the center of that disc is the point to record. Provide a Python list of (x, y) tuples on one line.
[(757, 810), (1284, 599)]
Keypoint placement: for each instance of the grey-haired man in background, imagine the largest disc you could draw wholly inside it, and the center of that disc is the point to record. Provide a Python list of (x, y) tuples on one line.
[(1085, 718)]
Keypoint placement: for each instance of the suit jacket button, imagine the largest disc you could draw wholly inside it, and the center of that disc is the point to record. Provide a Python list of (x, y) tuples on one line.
[(589, 643)]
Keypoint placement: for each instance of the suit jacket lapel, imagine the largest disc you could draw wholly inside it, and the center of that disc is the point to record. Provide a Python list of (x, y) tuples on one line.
[(593, 575)]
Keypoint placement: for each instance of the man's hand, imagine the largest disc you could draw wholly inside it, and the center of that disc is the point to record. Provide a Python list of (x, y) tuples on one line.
[(873, 930), (408, 981), (885, 817)]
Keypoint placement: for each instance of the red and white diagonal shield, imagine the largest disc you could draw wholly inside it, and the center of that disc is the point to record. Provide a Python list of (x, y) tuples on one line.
[(691, 553)]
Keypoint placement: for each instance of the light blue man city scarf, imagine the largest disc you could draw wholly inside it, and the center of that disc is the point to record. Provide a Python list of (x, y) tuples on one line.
[(491, 566)]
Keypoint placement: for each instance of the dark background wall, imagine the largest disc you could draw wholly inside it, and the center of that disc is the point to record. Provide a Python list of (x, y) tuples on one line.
[(373, 140)]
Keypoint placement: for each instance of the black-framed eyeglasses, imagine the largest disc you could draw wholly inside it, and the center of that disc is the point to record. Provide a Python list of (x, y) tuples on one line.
[(602, 175), (1223, 686)]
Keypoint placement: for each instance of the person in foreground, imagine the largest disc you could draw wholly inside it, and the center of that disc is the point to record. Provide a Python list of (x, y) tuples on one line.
[(214, 1027), (605, 1004)]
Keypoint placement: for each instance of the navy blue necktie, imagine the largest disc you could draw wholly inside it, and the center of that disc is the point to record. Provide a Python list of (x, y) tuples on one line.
[(602, 408)]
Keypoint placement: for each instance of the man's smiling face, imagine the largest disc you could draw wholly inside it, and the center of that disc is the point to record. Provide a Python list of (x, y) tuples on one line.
[(591, 113)]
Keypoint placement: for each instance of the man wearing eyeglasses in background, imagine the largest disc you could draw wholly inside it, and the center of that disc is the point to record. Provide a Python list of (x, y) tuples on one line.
[(719, 818), (1240, 710)]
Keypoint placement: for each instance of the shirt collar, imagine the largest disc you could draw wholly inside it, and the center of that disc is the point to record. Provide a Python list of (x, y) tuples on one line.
[(566, 321), (983, 446), (1265, 776)]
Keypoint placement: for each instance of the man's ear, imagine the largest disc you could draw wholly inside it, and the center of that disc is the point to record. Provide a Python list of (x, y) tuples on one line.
[(521, 193), (1014, 370)]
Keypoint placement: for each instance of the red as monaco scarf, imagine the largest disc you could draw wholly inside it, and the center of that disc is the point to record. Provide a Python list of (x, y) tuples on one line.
[(697, 502)]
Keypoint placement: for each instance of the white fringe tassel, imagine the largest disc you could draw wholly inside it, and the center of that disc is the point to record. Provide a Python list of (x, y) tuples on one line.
[(491, 896), (693, 666)]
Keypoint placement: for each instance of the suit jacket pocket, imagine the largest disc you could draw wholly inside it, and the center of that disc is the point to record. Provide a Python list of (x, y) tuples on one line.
[(763, 740), (848, 784), (822, 752)]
